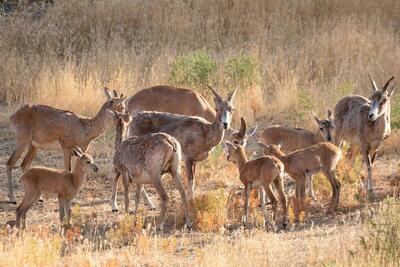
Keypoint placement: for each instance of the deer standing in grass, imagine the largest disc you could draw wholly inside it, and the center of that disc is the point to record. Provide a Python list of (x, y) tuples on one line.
[(170, 99), (364, 123), (196, 135), (260, 172), (308, 161), (47, 128), (65, 184), (291, 139), (143, 160)]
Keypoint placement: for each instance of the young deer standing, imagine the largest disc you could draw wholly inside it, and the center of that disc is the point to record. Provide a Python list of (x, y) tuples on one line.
[(291, 139), (260, 172), (143, 160), (65, 184), (308, 161), (47, 128), (364, 123)]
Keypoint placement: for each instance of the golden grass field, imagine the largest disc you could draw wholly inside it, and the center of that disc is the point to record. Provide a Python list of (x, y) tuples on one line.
[(308, 54)]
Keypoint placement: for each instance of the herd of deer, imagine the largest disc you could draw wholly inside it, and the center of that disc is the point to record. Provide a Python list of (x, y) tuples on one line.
[(162, 126)]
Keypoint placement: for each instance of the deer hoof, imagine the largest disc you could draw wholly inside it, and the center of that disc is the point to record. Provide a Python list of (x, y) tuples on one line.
[(12, 202), (114, 210)]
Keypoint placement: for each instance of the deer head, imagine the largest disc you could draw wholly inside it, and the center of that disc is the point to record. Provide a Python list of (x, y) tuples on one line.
[(84, 160), (326, 126), (380, 99), (240, 137), (224, 107), (232, 151), (114, 102), (271, 150)]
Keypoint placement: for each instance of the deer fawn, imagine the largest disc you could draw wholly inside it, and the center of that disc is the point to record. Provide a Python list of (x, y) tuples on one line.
[(307, 161), (65, 184)]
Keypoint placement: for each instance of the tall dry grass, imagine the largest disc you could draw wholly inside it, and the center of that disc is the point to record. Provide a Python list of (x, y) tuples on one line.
[(320, 50)]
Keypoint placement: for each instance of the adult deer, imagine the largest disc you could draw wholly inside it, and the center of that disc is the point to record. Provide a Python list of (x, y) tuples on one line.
[(364, 123), (172, 100), (290, 139), (47, 128), (196, 135)]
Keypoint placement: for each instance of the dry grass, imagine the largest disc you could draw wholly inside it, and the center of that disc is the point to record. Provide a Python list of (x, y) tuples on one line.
[(308, 54)]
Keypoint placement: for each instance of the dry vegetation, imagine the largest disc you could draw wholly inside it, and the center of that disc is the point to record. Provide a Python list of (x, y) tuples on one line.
[(290, 57)]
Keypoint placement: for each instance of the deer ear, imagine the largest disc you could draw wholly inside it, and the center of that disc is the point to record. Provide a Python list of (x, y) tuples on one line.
[(390, 91), (329, 114), (252, 131), (115, 94), (373, 83), (229, 145), (387, 83), (107, 93), (316, 118), (243, 127), (278, 146), (232, 95), (77, 152), (217, 97)]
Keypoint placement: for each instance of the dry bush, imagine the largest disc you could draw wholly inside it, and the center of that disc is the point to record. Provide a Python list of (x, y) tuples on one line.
[(313, 50)]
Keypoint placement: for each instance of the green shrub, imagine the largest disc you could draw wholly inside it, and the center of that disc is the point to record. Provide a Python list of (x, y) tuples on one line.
[(195, 69), (395, 111), (242, 70), (383, 233)]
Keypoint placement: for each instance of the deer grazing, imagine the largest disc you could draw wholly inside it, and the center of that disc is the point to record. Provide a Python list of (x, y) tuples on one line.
[(364, 123), (260, 172), (196, 135), (65, 184), (308, 161), (47, 128), (143, 160), (291, 139)]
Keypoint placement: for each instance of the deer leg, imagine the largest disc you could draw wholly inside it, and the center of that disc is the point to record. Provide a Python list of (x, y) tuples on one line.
[(67, 208), (330, 174), (246, 201), (147, 199), (164, 200), (20, 148), (178, 183), (309, 185), (113, 201), (26, 204), (261, 193), (352, 154), (278, 182), (302, 194), (67, 159), (29, 157), (189, 172), (61, 209), (274, 201), (367, 158), (137, 196), (125, 180)]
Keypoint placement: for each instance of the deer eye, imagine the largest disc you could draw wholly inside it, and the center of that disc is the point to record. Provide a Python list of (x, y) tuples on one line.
[(321, 129), (235, 142), (88, 162)]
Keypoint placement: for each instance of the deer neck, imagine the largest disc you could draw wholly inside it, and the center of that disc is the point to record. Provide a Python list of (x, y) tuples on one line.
[(96, 126), (79, 176), (120, 133), (318, 138), (217, 131), (241, 159)]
